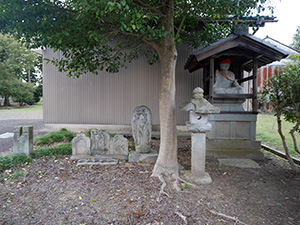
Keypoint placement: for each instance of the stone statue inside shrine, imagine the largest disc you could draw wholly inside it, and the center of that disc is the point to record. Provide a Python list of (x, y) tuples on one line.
[(225, 80)]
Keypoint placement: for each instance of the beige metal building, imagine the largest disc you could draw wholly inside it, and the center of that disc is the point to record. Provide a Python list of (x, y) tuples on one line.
[(111, 98)]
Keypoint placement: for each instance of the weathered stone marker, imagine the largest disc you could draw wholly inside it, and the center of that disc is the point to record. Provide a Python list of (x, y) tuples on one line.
[(99, 142), (119, 147), (23, 140), (81, 146), (100, 146), (199, 108), (141, 124)]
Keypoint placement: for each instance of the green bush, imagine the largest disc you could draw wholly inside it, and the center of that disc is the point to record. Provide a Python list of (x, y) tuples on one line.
[(63, 149), (12, 161), (38, 93), (24, 94), (50, 138)]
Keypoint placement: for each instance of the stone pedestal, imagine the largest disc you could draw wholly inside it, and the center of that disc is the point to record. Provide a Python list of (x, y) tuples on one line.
[(198, 159), (198, 154), (149, 157), (23, 140), (233, 136)]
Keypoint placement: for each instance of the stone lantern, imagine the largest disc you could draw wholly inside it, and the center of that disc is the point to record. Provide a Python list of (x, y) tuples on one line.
[(199, 108)]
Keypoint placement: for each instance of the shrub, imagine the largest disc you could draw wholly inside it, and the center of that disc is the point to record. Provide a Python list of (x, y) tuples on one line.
[(63, 149), (24, 94), (50, 138), (284, 95)]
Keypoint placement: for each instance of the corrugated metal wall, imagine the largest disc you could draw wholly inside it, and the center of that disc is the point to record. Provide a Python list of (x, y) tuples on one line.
[(111, 98)]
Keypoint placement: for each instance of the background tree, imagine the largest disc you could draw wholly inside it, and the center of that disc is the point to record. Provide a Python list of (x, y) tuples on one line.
[(284, 95), (103, 35), (296, 40), (14, 60)]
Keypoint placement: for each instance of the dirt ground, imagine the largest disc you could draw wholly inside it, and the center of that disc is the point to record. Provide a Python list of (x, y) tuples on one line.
[(56, 191)]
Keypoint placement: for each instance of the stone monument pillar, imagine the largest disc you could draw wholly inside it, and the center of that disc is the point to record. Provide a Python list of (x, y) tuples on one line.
[(141, 123), (198, 108), (23, 140)]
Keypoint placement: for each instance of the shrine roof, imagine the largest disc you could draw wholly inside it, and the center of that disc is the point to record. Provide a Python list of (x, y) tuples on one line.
[(241, 49)]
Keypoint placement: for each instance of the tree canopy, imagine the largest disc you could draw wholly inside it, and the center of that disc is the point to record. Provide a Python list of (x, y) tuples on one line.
[(15, 62), (296, 40), (105, 34)]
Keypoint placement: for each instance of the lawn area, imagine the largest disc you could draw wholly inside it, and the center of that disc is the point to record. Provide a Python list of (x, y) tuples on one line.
[(19, 109), (266, 131)]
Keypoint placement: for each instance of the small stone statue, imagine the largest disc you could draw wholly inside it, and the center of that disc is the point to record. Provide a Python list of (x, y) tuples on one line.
[(141, 129), (225, 80)]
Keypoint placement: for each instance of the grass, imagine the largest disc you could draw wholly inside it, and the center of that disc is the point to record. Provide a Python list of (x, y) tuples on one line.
[(57, 150), (14, 160), (38, 107), (267, 132), (50, 138)]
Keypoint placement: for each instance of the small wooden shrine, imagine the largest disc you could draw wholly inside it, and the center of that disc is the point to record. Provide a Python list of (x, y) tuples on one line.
[(234, 131)]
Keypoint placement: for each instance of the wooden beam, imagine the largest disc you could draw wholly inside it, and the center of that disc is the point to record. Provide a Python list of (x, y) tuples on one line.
[(246, 79), (249, 61), (254, 99), (212, 79), (239, 96)]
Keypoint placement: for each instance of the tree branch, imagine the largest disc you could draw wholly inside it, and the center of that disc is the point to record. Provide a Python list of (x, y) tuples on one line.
[(124, 50), (148, 6), (296, 127), (180, 26)]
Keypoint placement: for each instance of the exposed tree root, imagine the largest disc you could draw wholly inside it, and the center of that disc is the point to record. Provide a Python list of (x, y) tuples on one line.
[(169, 178), (226, 216), (182, 217)]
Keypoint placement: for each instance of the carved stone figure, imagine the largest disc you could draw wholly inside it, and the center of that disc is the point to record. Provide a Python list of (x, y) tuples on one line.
[(141, 129), (225, 80), (99, 142)]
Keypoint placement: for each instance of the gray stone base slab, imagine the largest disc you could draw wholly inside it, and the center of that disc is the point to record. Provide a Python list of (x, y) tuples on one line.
[(77, 157), (234, 149), (233, 144), (121, 157), (235, 153), (201, 179), (150, 157), (240, 163), (97, 161)]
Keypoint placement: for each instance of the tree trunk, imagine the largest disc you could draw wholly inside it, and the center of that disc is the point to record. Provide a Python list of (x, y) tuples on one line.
[(167, 159), (286, 149), (6, 101)]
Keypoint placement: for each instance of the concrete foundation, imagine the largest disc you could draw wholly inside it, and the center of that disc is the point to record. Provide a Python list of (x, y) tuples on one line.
[(232, 136)]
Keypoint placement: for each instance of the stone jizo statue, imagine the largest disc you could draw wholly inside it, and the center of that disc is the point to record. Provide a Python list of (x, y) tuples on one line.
[(225, 80)]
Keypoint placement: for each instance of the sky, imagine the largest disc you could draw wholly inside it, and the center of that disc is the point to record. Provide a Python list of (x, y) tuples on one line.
[(287, 13)]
